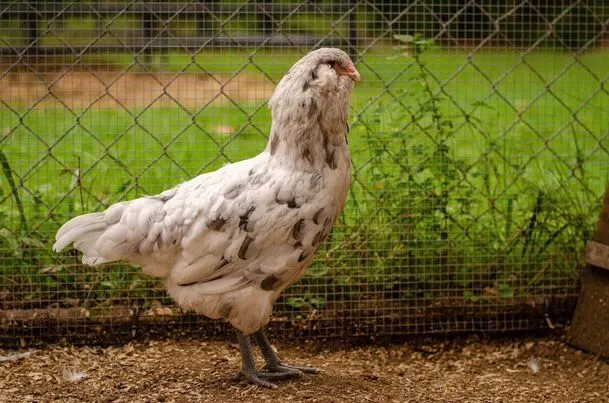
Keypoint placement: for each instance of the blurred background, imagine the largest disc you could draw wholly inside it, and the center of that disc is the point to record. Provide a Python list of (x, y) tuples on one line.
[(479, 138)]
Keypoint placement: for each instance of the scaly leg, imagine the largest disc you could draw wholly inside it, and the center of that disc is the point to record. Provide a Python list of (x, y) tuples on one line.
[(274, 364), (248, 367)]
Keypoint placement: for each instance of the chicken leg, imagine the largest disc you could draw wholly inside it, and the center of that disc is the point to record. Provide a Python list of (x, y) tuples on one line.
[(272, 361), (273, 369)]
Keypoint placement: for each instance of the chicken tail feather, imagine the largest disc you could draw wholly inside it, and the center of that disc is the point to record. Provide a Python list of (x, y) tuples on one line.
[(83, 231)]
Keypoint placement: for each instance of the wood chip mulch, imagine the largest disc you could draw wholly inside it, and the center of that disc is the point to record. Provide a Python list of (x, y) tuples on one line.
[(432, 370)]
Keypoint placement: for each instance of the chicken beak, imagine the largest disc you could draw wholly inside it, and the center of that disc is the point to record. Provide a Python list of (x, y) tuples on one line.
[(351, 71)]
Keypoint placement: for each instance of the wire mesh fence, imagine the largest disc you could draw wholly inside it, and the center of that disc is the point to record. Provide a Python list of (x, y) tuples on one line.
[(479, 142)]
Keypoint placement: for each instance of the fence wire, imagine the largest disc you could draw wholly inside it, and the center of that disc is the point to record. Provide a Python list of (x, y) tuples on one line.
[(478, 141)]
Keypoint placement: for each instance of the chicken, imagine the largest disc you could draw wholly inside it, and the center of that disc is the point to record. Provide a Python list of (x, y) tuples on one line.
[(227, 243)]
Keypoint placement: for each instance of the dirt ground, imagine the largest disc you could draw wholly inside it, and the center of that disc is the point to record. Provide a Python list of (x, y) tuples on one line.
[(87, 88), (432, 370)]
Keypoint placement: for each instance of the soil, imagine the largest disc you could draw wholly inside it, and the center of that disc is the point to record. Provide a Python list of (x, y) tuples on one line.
[(420, 370), (87, 88)]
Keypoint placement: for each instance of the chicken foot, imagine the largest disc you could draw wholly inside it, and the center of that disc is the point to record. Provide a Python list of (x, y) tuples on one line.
[(273, 369), (272, 361)]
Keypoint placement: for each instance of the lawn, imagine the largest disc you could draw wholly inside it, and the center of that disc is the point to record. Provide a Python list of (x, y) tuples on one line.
[(476, 176)]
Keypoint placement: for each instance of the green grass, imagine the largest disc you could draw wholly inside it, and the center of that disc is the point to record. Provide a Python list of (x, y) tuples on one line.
[(527, 166)]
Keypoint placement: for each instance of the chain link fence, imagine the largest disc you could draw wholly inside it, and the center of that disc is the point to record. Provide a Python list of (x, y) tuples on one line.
[(479, 141)]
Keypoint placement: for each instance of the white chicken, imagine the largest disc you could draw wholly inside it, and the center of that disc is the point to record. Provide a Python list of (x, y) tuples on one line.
[(228, 242)]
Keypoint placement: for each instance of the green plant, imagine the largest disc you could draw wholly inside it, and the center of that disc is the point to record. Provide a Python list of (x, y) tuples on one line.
[(444, 225)]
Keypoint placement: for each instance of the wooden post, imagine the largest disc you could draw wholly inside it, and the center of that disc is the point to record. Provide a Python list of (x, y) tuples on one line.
[(99, 21), (147, 34), (353, 30), (266, 23), (205, 25), (31, 27), (590, 327)]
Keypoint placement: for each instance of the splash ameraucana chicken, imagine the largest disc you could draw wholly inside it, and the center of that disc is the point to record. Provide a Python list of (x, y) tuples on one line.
[(227, 243)]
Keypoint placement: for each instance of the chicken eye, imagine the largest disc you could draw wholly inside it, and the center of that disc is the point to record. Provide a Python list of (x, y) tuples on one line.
[(331, 63)]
